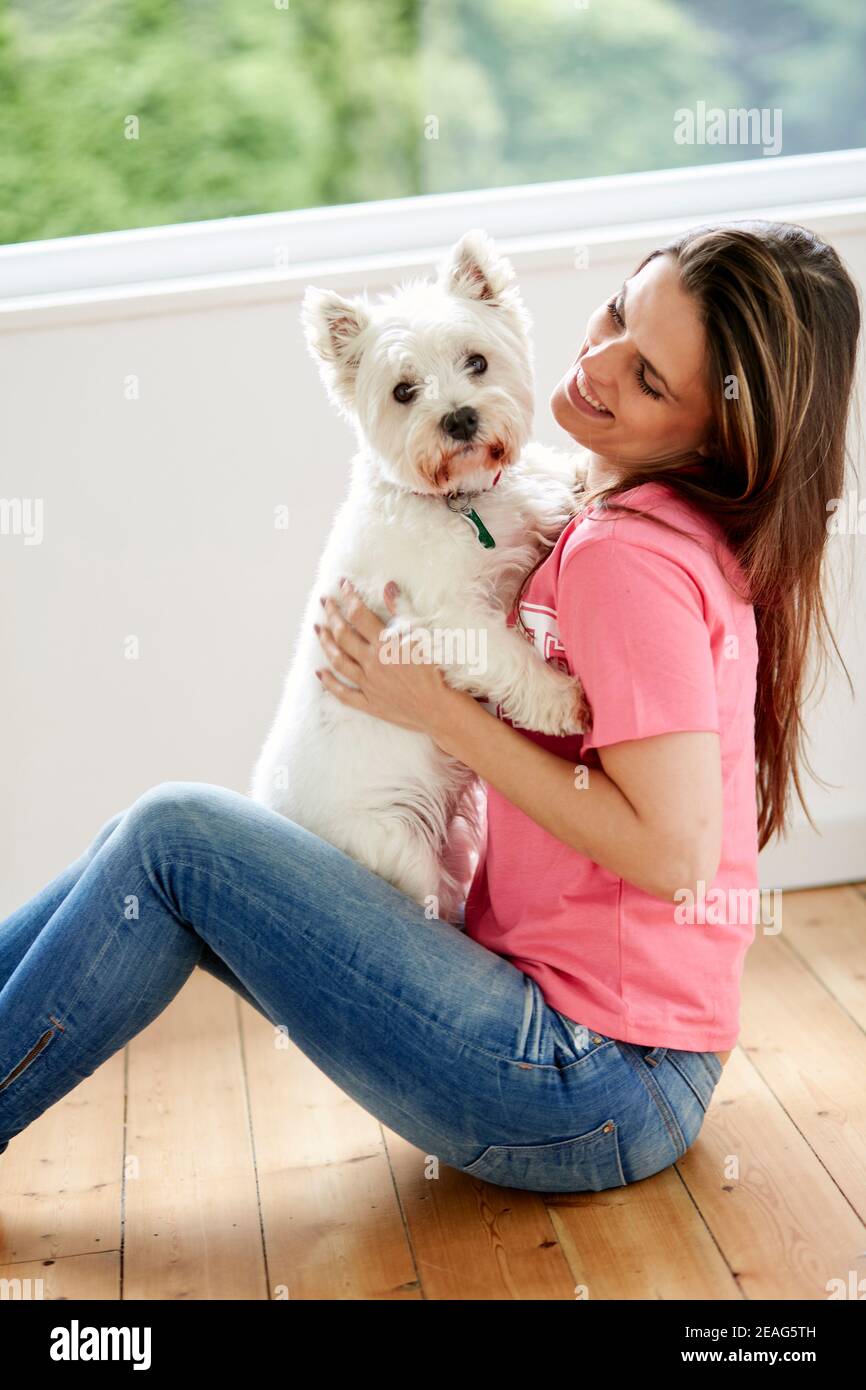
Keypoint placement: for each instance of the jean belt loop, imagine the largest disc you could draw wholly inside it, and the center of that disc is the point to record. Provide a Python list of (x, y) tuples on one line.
[(655, 1056)]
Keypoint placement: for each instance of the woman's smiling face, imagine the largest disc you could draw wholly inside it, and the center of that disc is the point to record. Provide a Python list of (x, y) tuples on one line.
[(643, 361)]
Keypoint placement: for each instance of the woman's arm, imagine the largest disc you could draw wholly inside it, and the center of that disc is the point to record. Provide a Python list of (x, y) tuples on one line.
[(652, 816)]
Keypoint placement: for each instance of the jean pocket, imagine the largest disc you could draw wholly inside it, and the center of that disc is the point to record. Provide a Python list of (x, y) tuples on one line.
[(588, 1163)]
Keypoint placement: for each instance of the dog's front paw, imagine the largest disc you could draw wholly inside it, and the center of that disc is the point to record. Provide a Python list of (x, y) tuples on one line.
[(556, 705)]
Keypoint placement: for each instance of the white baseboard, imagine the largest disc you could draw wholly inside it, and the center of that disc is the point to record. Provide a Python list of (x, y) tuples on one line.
[(806, 859)]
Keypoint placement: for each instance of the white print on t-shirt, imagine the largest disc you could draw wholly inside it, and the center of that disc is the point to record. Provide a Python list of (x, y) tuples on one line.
[(540, 622)]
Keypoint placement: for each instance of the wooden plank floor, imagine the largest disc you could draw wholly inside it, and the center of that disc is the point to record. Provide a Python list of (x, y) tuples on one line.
[(211, 1160)]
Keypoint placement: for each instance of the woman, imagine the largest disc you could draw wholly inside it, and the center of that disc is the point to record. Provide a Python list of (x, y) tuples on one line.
[(572, 1036)]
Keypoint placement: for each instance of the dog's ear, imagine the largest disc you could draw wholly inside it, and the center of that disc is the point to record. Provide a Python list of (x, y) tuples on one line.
[(333, 328), (474, 269)]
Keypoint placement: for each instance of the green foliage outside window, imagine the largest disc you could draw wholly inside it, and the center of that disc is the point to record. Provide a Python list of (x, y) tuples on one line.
[(133, 113)]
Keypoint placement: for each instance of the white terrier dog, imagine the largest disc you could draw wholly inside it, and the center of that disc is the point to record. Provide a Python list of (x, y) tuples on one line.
[(447, 500)]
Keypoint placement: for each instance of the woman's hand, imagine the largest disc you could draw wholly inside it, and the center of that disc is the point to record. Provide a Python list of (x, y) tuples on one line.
[(410, 693)]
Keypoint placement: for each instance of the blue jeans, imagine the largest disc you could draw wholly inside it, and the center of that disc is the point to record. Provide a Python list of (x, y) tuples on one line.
[(442, 1040)]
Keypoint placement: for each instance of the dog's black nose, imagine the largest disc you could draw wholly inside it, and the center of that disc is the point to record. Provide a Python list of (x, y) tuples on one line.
[(462, 423)]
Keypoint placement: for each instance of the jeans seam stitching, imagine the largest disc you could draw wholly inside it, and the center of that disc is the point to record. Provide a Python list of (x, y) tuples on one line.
[(93, 964), (704, 1106), (671, 1122)]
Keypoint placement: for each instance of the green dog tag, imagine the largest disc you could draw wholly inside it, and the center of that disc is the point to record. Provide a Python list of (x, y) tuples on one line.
[(479, 528)]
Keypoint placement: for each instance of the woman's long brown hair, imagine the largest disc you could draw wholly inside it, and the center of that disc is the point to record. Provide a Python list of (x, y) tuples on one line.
[(781, 317)]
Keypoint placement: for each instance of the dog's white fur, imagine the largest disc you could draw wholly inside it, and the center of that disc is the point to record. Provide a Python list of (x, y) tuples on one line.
[(387, 796)]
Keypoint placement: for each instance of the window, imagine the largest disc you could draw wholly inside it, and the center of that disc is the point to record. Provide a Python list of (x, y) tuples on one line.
[(118, 114)]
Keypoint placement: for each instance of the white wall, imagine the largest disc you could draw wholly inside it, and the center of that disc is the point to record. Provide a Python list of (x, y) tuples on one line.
[(158, 524)]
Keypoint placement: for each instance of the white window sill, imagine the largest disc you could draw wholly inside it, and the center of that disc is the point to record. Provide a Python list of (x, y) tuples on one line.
[(273, 255)]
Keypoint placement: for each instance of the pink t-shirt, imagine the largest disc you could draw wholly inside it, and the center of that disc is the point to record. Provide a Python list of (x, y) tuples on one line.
[(648, 622)]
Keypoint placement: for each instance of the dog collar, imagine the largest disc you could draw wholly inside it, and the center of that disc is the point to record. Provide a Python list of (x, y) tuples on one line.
[(461, 504)]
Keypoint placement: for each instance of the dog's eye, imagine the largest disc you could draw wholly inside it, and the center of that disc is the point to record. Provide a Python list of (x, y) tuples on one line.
[(476, 364), (404, 391)]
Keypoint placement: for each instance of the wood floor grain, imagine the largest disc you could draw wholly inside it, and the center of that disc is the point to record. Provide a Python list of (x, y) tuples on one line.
[(211, 1160)]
